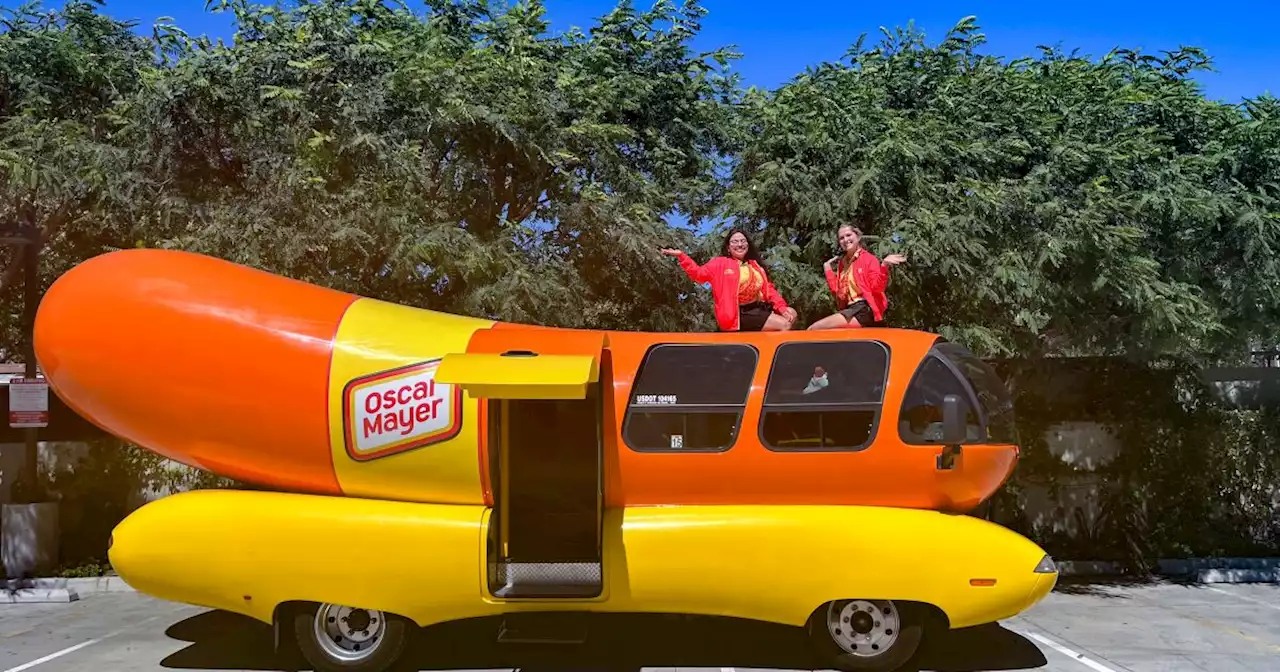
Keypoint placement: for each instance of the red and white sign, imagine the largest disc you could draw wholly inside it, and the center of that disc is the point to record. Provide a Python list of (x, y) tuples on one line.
[(398, 410), (28, 402)]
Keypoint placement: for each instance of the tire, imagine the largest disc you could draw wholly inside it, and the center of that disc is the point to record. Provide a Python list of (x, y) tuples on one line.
[(327, 637), (867, 635)]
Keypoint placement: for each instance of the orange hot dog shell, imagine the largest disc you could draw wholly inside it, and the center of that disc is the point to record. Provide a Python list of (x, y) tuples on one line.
[(208, 363)]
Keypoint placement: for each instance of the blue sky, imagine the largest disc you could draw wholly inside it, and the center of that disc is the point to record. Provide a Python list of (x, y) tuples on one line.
[(779, 39)]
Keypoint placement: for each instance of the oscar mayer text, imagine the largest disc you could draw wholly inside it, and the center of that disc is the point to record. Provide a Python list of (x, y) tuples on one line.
[(398, 410)]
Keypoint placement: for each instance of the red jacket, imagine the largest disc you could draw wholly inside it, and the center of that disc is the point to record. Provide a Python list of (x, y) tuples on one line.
[(722, 273), (872, 277)]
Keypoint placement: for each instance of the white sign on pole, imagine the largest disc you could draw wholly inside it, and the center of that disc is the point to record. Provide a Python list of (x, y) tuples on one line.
[(28, 402)]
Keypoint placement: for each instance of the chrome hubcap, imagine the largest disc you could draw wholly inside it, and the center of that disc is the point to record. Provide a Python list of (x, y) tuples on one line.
[(864, 628), (347, 633)]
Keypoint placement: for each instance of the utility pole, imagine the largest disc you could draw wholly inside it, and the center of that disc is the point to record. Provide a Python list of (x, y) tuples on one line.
[(31, 300), (26, 234)]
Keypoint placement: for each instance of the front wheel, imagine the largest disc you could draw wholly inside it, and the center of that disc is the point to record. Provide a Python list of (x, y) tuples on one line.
[(867, 635), (335, 638)]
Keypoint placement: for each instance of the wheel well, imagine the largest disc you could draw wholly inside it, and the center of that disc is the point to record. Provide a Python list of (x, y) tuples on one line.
[(934, 616), (288, 608), (283, 642), (284, 611)]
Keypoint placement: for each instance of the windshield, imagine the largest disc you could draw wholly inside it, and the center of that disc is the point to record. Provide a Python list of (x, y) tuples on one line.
[(994, 397)]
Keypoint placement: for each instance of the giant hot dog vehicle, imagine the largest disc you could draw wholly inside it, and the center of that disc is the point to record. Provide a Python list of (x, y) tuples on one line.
[(417, 467)]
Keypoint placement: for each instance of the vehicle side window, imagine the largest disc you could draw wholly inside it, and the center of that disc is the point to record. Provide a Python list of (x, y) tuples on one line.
[(824, 396), (689, 397), (921, 419), (992, 393)]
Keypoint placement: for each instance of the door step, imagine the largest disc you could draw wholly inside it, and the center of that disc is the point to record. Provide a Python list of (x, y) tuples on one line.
[(549, 579), (543, 628)]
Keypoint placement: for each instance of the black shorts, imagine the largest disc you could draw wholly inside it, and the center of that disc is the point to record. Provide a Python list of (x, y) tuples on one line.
[(860, 310), (752, 316)]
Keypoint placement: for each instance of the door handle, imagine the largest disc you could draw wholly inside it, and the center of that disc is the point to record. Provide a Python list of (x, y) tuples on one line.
[(947, 458)]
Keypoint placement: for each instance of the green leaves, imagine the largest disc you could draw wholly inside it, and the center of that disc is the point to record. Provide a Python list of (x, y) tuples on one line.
[(464, 160), (468, 160), (1041, 197)]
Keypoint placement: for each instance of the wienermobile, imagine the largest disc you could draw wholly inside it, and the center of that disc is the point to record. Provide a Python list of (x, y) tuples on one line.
[(419, 467)]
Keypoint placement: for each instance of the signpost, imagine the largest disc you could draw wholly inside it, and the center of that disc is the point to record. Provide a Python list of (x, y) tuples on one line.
[(28, 403), (28, 526), (26, 233)]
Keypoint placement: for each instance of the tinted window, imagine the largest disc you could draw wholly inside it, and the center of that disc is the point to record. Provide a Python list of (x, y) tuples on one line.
[(992, 392), (824, 396), (836, 372), (689, 397), (817, 430), (681, 431), (695, 374), (921, 418)]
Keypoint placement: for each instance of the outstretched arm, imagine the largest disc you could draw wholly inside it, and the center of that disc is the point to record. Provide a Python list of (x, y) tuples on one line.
[(877, 277), (691, 268)]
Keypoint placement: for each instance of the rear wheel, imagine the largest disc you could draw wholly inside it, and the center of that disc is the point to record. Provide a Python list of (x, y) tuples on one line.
[(867, 635), (336, 638)]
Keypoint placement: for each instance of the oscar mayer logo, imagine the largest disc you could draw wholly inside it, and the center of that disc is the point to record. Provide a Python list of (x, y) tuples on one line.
[(398, 410)]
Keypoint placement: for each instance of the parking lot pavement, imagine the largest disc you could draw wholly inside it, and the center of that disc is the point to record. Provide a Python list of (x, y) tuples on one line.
[(1080, 627)]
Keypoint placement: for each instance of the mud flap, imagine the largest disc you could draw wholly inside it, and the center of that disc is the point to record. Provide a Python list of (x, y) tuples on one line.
[(284, 649)]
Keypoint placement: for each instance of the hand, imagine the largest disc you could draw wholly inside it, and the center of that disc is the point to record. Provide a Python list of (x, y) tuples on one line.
[(894, 259), (671, 252), (790, 314)]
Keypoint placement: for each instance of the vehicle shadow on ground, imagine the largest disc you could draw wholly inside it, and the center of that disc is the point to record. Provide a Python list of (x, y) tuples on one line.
[(1115, 587), (1099, 586), (224, 641)]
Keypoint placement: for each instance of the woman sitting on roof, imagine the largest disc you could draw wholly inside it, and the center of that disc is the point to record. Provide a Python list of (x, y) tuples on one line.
[(744, 298), (857, 282)]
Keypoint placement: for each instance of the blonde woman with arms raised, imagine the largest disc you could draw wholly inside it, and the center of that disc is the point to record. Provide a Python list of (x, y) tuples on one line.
[(857, 282)]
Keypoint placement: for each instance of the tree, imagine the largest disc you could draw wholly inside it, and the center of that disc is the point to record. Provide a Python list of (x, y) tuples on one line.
[(63, 77), (466, 160), (463, 160), (1055, 205)]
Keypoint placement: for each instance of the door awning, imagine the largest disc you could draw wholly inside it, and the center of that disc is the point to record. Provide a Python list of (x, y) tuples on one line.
[(526, 364)]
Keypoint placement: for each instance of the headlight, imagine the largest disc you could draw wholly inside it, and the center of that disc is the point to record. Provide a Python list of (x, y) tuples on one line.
[(1046, 566)]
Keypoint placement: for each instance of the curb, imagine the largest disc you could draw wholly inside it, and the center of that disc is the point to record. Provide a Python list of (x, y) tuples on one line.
[(40, 595), (1199, 570), (36, 591)]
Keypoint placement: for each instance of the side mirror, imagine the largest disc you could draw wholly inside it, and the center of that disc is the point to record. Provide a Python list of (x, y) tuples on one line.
[(953, 431)]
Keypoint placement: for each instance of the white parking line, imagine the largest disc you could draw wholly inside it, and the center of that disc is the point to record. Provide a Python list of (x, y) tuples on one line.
[(1078, 657), (77, 647), (55, 654), (1245, 598)]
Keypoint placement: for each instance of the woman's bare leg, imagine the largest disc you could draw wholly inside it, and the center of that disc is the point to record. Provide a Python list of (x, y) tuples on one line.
[(833, 321), (776, 322)]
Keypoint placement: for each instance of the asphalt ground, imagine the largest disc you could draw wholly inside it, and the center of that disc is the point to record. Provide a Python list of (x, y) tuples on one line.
[(1080, 627)]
